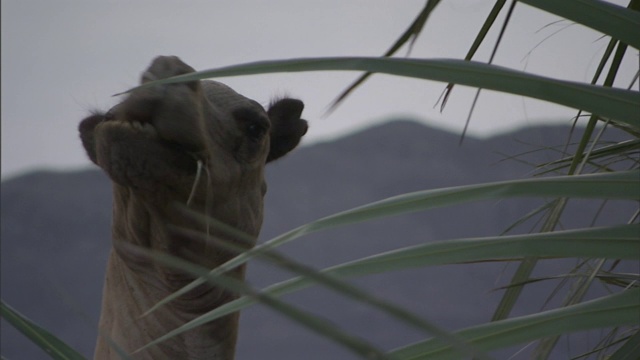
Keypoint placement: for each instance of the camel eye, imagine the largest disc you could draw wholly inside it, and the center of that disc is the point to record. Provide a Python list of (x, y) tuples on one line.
[(255, 131), (253, 124)]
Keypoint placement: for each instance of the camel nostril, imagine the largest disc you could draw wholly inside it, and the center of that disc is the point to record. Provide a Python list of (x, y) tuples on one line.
[(108, 116)]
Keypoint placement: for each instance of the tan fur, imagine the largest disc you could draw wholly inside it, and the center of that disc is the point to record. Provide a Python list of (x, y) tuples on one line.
[(150, 145)]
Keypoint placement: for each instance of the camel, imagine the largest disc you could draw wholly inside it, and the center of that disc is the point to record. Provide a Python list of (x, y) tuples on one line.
[(151, 145)]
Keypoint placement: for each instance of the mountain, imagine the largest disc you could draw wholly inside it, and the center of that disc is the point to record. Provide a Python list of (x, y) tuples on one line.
[(56, 236)]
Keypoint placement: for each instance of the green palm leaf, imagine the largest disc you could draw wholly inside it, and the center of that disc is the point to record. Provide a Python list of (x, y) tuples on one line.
[(614, 310), (53, 346), (618, 104), (619, 242), (610, 19), (621, 185)]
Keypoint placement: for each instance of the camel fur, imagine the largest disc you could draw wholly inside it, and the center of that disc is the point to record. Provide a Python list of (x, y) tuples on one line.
[(150, 145)]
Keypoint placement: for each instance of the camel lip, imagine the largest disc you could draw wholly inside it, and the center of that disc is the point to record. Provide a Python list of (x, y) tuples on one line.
[(147, 129)]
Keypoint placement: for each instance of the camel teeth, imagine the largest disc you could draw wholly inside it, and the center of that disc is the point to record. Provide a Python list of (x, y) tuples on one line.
[(142, 126)]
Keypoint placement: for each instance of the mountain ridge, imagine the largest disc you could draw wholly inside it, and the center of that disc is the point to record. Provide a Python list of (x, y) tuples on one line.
[(56, 237)]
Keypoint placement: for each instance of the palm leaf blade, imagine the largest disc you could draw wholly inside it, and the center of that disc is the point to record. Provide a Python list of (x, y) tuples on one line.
[(613, 310), (53, 346), (621, 105)]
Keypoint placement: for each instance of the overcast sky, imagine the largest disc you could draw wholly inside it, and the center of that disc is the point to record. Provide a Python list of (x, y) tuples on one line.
[(61, 59)]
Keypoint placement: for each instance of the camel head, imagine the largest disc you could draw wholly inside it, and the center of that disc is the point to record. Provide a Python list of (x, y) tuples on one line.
[(197, 143), (152, 143)]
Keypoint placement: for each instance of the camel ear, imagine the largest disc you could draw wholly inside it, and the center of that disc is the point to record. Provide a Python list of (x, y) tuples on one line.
[(287, 128)]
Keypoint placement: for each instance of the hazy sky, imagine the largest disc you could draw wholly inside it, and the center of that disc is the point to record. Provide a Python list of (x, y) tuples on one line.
[(61, 59)]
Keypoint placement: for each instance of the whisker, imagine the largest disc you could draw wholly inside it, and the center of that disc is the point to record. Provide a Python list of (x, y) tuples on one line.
[(207, 199), (195, 182)]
